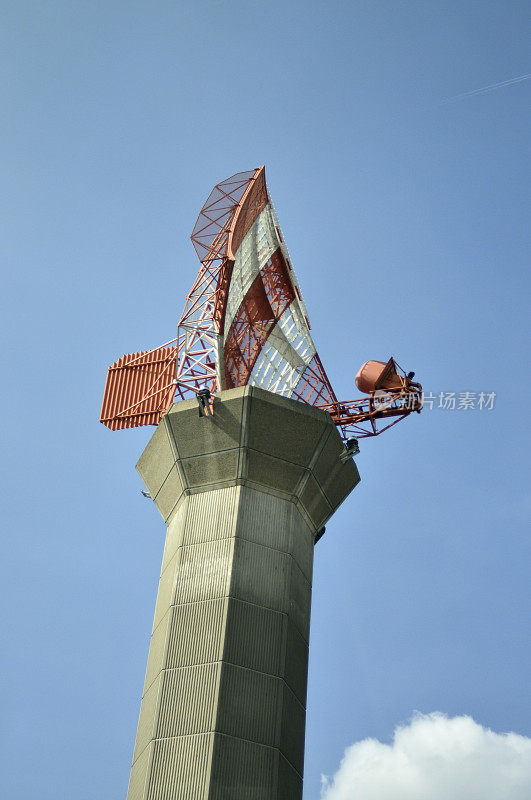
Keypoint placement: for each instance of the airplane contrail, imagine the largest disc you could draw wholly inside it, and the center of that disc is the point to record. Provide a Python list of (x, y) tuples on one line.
[(490, 88)]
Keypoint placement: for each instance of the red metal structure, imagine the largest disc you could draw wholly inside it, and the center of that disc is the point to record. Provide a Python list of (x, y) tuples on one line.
[(245, 322)]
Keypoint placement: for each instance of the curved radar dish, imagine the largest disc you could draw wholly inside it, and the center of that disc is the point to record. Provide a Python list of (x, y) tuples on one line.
[(244, 323)]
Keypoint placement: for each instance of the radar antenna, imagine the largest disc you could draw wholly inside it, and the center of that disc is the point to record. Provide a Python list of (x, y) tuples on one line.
[(245, 323)]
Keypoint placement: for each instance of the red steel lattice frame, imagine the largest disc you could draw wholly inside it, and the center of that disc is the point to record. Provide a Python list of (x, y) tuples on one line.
[(141, 386), (202, 322)]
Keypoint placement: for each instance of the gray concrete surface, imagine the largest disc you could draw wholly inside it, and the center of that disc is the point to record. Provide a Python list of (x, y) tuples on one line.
[(243, 493)]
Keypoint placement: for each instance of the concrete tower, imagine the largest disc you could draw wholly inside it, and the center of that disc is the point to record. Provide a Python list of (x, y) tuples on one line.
[(243, 493)]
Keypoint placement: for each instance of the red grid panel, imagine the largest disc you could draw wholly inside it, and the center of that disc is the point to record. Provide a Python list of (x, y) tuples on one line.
[(254, 203), (139, 388), (269, 295), (218, 210)]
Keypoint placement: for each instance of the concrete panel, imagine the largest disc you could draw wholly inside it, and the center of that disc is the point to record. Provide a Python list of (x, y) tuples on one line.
[(249, 705), (195, 633), (300, 596), (156, 461), (242, 770), (315, 503), (157, 650), (187, 700), (301, 543), (264, 519), (336, 478), (273, 473), (292, 730), (166, 590), (138, 780), (260, 575), (215, 468), (295, 668), (147, 720), (212, 515), (175, 533), (194, 435), (289, 781), (289, 435), (180, 768), (169, 493), (204, 571), (286, 404), (340, 482), (254, 637)]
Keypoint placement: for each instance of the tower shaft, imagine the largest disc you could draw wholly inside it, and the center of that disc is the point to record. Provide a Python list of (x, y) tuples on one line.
[(243, 493)]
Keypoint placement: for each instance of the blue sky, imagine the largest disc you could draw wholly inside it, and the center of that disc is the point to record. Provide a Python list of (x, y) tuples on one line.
[(405, 208)]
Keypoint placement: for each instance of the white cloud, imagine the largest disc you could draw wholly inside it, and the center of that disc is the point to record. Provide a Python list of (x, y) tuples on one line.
[(434, 757)]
